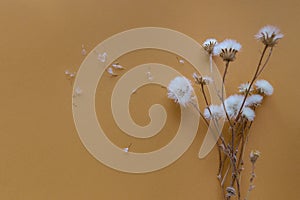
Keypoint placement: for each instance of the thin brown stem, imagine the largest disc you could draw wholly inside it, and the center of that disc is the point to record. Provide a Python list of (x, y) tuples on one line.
[(196, 107), (252, 81), (222, 94), (265, 64)]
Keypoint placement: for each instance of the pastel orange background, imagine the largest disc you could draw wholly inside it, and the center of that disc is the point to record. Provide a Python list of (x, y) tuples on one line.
[(41, 154)]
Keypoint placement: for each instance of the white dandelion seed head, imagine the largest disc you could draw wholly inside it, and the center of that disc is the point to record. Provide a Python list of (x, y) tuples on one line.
[(248, 113), (269, 35), (209, 45), (244, 87), (180, 90), (233, 104), (264, 87), (254, 100), (227, 49), (216, 112), (227, 44)]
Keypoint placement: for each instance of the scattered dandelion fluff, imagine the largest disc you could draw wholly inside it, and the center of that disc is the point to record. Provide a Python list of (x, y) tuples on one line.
[(244, 87), (181, 61), (233, 104), (67, 72), (248, 113), (227, 49), (149, 76), (269, 35), (254, 100), (209, 45), (111, 72), (126, 149), (102, 57), (83, 50), (78, 91), (181, 90), (264, 87), (216, 112), (72, 75), (117, 66)]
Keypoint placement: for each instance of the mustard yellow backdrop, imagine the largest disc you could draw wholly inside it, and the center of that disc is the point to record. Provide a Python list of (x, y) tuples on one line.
[(41, 155)]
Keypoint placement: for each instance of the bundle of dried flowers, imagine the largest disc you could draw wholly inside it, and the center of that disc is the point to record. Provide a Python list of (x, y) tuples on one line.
[(238, 109)]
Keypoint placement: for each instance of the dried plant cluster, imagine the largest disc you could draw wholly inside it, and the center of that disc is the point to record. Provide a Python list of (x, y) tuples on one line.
[(238, 110)]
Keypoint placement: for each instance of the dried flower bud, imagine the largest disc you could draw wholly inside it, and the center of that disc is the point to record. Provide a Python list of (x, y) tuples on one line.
[(205, 80), (254, 155), (230, 192)]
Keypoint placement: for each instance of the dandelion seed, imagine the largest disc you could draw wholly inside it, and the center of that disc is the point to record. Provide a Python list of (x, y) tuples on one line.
[(78, 91), (117, 66), (67, 72), (83, 51), (149, 76), (127, 148), (102, 57), (111, 72), (72, 75)]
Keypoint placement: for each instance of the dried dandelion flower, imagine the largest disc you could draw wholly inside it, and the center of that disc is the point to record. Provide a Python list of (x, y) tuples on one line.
[(244, 87), (264, 87), (205, 80), (209, 45), (227, 49), (181, 90), (248, 113), (216, 112), (254, 100), (233, 104), (269, 35)]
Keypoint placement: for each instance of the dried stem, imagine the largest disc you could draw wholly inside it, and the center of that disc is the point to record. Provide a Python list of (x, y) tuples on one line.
[(257, 72)]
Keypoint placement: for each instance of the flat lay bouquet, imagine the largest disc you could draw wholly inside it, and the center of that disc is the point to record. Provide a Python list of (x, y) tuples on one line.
[(238, 110)]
